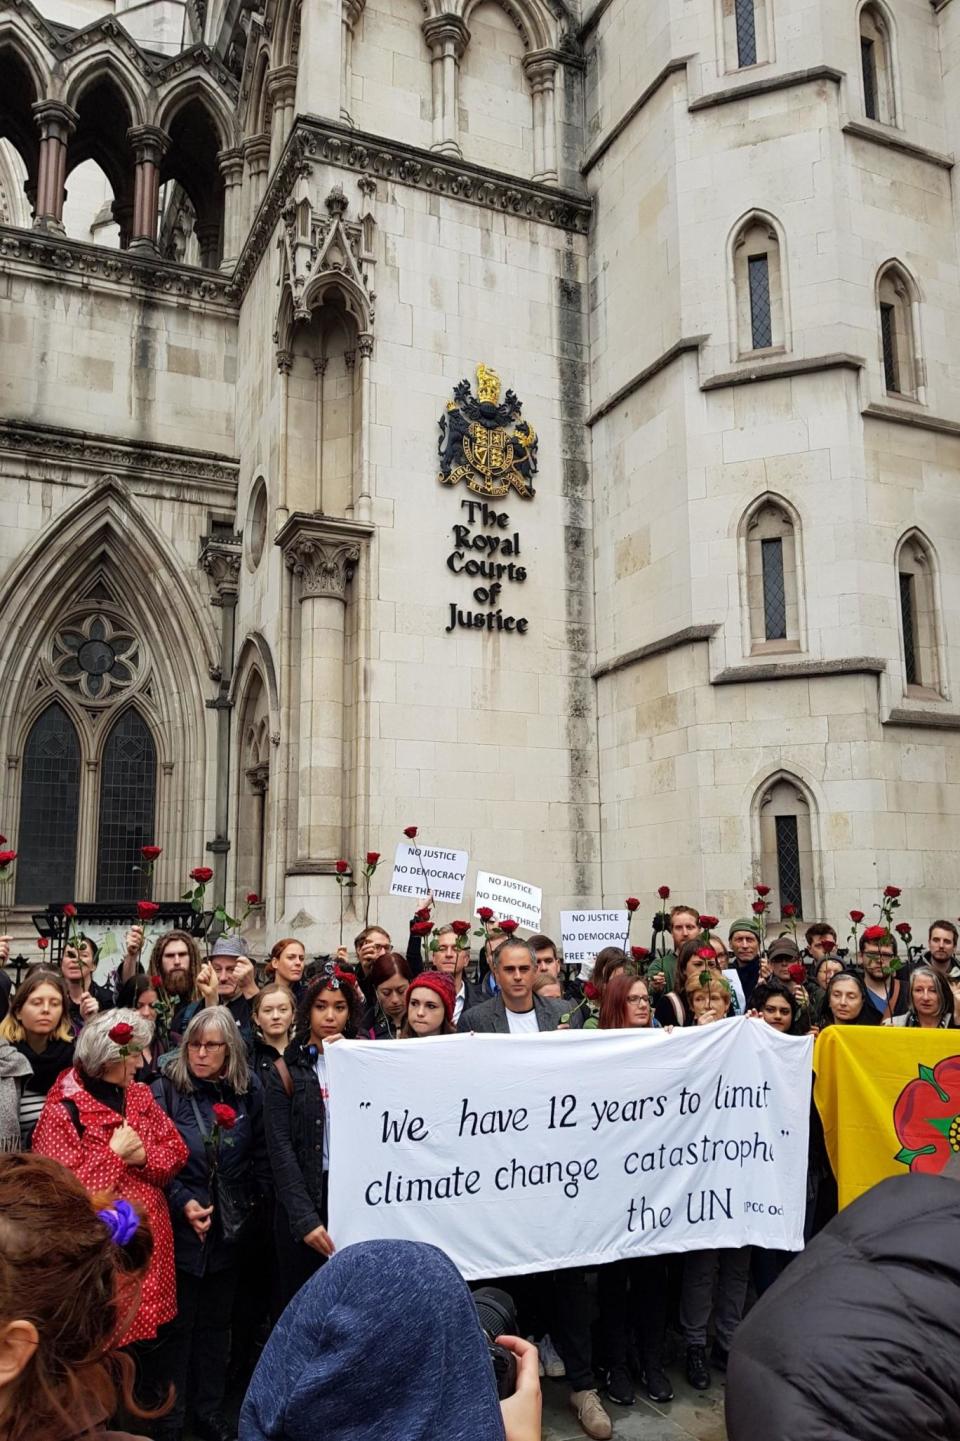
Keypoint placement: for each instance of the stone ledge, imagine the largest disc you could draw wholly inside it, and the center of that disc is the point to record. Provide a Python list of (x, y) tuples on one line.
[(679, 347), (768, 670), (672, 67), (931, 720), (783, 370), (766, 86), (894, 140), (312, 868), (687, 636), (920, 419), (107, 453), (72, 260)]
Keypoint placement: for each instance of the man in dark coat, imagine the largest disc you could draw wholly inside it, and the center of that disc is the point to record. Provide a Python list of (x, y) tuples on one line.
[(859, 1339), (516, 1009)]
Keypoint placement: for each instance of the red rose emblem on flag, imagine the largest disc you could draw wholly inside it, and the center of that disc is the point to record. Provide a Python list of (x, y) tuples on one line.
[(926, 1117)]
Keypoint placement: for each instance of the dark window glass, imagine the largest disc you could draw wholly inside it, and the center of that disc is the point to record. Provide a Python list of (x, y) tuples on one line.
[(761, 325), (868, 61), (49, 810), (888, 334), (788, 862), (908, 612), (774, 591), (746, 32), (128, 786)]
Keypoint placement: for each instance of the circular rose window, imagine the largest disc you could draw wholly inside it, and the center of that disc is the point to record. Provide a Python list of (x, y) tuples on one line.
[(96, 655), (256, 527)]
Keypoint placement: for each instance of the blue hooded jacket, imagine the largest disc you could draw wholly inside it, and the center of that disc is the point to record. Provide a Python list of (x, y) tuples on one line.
[(382, 1344)]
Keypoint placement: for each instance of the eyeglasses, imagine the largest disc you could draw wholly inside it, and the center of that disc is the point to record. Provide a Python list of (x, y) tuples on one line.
[(638, 1000), (206, 1045)]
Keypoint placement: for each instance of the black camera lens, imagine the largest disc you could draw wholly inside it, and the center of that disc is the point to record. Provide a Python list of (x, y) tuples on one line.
[(498, 1317)]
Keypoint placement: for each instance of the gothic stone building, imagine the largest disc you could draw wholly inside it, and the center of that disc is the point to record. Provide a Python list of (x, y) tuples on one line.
[(693, 617)]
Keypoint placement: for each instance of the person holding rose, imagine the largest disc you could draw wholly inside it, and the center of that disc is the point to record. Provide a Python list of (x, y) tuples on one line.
[(216, 1104), (229, 979), (108, 1130), (86, 996)]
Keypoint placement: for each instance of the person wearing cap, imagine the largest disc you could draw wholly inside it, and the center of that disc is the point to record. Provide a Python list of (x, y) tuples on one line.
[(229, 979), (429, 1006), (745, 945), (785, 964)]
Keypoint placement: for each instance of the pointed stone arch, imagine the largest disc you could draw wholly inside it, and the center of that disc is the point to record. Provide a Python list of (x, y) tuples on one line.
[(106, 62), (536, 23), (101, 551)]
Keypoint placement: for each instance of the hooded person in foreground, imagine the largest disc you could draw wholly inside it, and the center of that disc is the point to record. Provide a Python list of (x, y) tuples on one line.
[(384, 1342), (859, 1339)]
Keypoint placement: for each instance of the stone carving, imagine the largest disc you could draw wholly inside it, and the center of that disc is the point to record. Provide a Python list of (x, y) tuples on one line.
[(104, 454), (324, 566)]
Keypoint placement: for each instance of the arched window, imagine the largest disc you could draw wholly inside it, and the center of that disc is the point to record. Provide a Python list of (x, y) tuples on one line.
[(252, 790), (758, 287), (897, 303), (49, 810), (916, 587), (786, 845), (772, 574), (128, 789), (746, 29), (876, 65)]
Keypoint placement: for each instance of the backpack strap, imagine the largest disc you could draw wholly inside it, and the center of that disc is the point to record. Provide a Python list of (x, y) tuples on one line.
[(286, 1080)]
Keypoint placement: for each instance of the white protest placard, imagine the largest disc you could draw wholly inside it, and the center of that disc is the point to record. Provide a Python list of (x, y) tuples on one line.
[(527, 1153), (508, 898), (446, 872), (584, 933)]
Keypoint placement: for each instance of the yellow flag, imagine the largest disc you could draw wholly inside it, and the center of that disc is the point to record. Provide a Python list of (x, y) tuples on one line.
[(889, 1099)]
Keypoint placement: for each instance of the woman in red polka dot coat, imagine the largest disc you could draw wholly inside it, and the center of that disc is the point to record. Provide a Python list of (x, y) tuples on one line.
[(109, 1131)]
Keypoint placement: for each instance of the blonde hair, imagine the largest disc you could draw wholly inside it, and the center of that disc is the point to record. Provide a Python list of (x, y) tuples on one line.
[(11, 1028)]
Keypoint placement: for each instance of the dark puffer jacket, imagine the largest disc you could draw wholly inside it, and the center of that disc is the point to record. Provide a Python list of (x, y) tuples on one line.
[(294, 1127), (859, 1339)]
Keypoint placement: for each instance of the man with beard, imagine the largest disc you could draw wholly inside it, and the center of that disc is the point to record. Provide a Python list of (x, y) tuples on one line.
[(175, 962)]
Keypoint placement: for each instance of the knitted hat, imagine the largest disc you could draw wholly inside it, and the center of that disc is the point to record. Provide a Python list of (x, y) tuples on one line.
[(228, 946), (438, 982), (784, 948), (745, 923)]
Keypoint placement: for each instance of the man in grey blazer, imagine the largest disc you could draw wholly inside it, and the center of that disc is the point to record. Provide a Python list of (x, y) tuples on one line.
[(516, 1010)]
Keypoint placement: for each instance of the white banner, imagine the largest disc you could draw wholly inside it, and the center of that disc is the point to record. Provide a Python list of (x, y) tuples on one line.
[(446, 873), (584, 933), (527, 1153), (510, 899)]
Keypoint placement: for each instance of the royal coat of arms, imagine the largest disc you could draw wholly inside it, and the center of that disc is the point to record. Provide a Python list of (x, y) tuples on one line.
[(484, 442)]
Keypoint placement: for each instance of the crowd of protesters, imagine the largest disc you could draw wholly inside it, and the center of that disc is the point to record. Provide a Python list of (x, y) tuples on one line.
[(194, 1089)]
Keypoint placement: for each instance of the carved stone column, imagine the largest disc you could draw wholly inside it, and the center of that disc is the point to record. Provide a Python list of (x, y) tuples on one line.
[(256, 152), (349, 20), (220, 559), (541, 69), (447, 37), (282, 90), (322, 554), (231, 168), (149, 147), (56, 123)]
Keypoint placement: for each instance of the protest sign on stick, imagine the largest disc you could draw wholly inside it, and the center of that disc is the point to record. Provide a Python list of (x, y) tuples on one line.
[(593, 1145), (507, 897), (584, 933), (417, 869)]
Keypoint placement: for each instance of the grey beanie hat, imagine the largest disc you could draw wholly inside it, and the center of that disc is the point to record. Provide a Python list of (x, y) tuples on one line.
[(228, 946)]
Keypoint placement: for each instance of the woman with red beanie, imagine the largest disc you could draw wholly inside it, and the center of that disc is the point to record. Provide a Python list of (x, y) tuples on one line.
[(429, 1006)]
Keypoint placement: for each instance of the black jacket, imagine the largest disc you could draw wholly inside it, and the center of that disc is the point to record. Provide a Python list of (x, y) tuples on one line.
[(261, 1058), (859, 1338), (242, 1156), (295, 1127)]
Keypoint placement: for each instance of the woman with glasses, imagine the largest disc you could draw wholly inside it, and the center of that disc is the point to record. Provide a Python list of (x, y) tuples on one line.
[(217, 1107), (298, 1126)]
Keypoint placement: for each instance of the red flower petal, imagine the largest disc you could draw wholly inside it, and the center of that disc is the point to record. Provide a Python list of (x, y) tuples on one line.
[(410, 832), (632, 904), (856, 917), (663, 892)]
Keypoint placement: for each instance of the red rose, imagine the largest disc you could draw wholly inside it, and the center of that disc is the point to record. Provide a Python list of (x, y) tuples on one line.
[(875, 933), (70, 910), (156, 982), (201, 874), (891, 892), (762, 890), (789, 910), (508, 927), (591, 992), (421, 928), (663, 892), (423, 914), (758, 907), (707, 923), (224, 1116), (903, 929), (410, 832), (6, 857), (632, 904), (460, 928), (3, 840), (252, 898), (639, 953), (121, 1033), (706, 953), (485, 913), (42, 943), (146, 910), (372, 857), (797, 971), (856, 917), (925, 1117), (151, 853), (342, 867)]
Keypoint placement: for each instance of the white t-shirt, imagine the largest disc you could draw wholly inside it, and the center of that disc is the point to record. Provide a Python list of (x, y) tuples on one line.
[(461, 996), (321, 1069), (521, 1023)]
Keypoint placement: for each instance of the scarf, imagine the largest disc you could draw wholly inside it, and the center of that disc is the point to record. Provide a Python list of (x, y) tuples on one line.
[(47, 1064), (12, 1067)]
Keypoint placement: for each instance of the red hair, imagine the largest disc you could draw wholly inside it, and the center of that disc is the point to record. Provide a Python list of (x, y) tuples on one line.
[(614, 1014), (391, 963), (60, 1270)]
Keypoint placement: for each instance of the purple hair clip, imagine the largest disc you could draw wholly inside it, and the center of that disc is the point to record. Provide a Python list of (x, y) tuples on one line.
[(121, 1220)]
